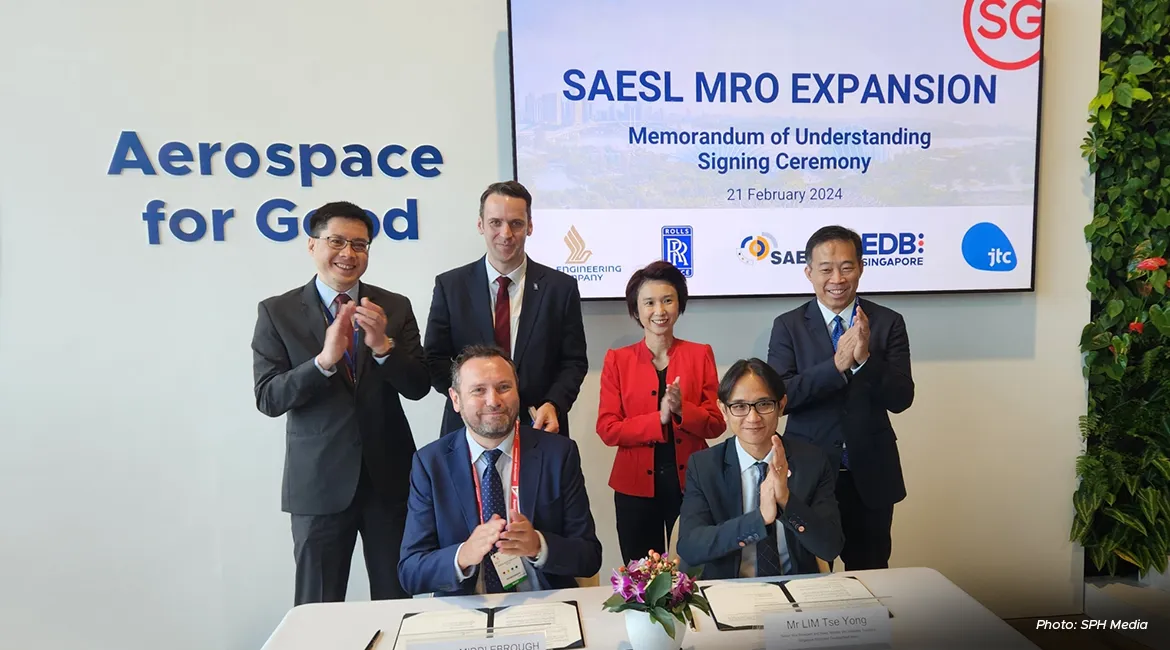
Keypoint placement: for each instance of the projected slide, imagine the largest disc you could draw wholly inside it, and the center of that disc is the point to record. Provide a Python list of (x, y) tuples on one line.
[(720, 135)]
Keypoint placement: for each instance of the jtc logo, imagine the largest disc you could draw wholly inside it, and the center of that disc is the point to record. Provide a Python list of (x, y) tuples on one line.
[(987, 248), (1004, 34)]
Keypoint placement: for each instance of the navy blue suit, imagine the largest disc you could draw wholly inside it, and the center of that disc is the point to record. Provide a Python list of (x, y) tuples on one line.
[(442, 512), (831, 409)]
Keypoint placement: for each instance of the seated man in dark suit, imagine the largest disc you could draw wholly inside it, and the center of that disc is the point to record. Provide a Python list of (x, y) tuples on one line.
[(529, 310), (458, 519), (756, 505)]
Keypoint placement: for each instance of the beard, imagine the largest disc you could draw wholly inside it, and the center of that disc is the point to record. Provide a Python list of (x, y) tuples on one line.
[(491, 425)]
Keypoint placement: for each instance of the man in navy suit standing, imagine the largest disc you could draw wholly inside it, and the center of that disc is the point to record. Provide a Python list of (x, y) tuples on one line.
[(529, 310), (846, 366), (520, 520)]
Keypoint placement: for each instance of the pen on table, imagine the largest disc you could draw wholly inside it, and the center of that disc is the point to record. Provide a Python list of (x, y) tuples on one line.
[(370, 645)]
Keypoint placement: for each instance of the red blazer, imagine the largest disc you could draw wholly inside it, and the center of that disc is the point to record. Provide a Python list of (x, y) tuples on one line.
[(627, 416)]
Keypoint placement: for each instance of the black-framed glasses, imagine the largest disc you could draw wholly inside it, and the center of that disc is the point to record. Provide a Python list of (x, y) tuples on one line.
[(763, 407), (338, 243)]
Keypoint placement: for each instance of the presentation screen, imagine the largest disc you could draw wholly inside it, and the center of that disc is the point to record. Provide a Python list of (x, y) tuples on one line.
[(720, 135)]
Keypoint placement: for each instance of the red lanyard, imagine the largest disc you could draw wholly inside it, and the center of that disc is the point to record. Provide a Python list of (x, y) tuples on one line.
[(514, 490)]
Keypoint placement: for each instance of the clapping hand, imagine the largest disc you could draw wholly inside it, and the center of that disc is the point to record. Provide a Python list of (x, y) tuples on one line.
[(337, 336), (671, 402), (861, 349)]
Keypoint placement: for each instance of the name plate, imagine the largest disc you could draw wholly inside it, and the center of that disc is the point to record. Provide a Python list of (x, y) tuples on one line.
[(827, 628), (509, 642)]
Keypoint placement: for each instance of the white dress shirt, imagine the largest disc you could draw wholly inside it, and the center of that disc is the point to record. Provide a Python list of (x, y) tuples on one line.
[(749, 478), (515, 295), (328, 295), (504, 467)]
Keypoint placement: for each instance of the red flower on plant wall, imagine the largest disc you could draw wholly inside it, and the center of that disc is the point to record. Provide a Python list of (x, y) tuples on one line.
[(1151, 264), (1137, 327)]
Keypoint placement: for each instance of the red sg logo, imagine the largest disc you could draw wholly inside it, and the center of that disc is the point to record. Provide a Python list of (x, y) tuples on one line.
[(1004, 34)]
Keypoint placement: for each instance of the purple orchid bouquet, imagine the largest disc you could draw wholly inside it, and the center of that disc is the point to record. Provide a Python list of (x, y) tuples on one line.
[(654, 584)]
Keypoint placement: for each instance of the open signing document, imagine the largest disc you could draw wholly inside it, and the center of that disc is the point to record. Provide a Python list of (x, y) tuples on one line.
[(559, 623), (740, 605)]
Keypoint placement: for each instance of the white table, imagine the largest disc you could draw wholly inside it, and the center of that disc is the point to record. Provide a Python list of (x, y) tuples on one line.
[(930, 612)]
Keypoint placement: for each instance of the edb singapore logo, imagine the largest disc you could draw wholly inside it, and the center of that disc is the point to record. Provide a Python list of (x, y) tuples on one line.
[(987, 248)]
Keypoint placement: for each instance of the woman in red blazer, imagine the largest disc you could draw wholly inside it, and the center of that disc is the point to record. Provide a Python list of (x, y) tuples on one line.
[(658, 406)]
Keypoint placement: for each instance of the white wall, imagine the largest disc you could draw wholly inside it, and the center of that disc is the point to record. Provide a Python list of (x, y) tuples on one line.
[(138, 484)]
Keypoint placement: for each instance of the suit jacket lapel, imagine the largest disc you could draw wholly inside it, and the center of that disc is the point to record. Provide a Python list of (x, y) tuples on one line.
[(481, 301), (815, 321), (731, 494), (314, 312), (531, 465), (459, 468), (529, 308)]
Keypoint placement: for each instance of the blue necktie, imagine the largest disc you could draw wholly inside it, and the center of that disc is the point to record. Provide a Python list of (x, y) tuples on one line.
[(493, 503), (768, 549), (838, 330)]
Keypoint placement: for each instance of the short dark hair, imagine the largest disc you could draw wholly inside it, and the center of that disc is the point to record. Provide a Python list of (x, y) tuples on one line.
[(338, 210), (832, 233), (745, 367), (664, 271), (507, 188), (477, 351)]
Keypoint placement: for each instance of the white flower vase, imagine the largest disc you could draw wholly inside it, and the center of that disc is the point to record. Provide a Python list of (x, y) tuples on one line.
[(646, 634)]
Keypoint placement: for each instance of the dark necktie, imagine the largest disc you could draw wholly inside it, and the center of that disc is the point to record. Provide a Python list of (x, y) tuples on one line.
[(838, 330), (347, 330), (503, 322), (493, 504), (767, 549)]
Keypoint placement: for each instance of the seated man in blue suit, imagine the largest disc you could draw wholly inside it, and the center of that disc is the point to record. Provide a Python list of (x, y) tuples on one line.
[(756, 505), (456, 520)]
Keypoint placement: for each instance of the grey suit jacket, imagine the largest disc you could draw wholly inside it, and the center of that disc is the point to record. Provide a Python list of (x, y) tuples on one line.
[(331, 425), (712, 524)]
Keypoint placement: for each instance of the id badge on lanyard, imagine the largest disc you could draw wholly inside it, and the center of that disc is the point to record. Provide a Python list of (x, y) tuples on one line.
[(510, 568)]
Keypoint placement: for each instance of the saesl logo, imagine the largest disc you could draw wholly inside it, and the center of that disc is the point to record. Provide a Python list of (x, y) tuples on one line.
[(763, 247), (893, 249), (987, 248)]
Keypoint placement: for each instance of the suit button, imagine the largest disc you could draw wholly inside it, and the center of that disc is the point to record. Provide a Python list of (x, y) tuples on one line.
[(678, 441), (650, 472), (653, 392), (682, 466)]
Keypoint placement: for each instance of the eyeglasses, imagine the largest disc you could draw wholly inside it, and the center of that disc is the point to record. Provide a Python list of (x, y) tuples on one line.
[(763, 407), (338, 243)]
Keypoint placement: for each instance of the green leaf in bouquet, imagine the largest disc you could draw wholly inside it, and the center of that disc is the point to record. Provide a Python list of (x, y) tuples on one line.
[(662, 616), (659, 587)]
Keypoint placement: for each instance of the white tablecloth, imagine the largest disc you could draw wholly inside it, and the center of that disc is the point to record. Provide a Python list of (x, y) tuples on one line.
[(930, 612)]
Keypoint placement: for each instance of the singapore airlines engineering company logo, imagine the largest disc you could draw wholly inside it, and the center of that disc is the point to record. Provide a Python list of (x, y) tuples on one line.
[(576, 243)]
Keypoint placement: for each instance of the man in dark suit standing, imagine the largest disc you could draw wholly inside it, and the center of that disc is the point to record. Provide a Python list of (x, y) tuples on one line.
[(495, 501), (757, 505), (846, 363), (529, 310), (336, 356)]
